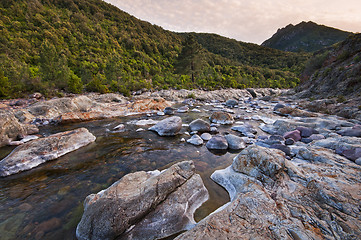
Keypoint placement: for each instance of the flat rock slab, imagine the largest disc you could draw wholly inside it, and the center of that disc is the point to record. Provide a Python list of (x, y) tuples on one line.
[(36, 152)]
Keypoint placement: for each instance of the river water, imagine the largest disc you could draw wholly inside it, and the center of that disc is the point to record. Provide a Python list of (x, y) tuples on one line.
[(47, 202)]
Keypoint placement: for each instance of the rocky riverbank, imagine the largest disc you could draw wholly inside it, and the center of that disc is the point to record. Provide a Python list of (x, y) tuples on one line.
[(297, 174)]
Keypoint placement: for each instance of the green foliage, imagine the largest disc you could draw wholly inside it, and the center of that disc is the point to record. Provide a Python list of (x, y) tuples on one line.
[(75, 45), (75, 84), (4, 85)]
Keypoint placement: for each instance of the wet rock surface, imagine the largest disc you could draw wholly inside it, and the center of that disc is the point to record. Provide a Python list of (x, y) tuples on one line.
[(36, 152), (168, 127)]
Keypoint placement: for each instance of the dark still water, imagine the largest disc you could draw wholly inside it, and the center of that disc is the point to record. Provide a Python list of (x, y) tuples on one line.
[(47, 202)]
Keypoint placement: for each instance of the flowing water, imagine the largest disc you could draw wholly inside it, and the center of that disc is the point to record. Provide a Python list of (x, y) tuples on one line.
[(47, 202)]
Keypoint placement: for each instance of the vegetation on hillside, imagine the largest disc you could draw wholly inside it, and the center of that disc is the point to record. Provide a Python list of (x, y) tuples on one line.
[(305, 36), (54, 46), (334, 71)]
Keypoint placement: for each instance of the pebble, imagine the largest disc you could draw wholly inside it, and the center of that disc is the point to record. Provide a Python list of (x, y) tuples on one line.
[(206, 136)]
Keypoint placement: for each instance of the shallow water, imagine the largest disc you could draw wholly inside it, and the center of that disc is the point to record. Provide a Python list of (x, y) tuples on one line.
[(47, 202)]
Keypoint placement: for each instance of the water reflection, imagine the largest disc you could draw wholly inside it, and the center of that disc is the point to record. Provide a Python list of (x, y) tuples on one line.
[(46, 202)]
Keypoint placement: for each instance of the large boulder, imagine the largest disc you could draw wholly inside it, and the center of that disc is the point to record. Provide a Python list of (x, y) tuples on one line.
[(12, 129), (168, 127), (36, 152), (157, 201)]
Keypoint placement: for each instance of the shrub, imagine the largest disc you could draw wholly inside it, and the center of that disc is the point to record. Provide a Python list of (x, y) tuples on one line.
[(75, 84)]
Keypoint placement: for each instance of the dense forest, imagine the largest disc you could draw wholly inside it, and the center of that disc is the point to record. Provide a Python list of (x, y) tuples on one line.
[(59, 46)]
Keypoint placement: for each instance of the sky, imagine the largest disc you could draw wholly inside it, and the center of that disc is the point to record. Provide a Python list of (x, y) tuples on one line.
[(245, 20)]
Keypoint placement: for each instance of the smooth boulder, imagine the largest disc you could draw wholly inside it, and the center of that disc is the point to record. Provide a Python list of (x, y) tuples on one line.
[(235, 142), (168, 127), (113, 211), (217, 142), (38, 151), (199, 125)]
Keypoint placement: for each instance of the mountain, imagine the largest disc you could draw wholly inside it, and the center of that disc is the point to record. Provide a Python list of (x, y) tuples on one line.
[(334, 71), (60, 46), (305, 36)]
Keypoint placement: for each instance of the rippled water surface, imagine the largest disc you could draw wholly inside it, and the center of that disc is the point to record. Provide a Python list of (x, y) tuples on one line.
[(47, 202)]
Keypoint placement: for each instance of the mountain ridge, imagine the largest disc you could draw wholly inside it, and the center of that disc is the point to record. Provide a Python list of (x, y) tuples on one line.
[(305, 36)]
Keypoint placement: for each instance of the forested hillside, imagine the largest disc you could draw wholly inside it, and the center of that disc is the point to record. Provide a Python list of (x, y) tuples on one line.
[(56, 46)]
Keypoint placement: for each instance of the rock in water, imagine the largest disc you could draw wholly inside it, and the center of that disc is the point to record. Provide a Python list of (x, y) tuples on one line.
[(217, 142), (168, 127), (235, 142), (200, 125), (11, 128), (173, 215), (36, 152), (195, 140), (221, 118), (131, 200)]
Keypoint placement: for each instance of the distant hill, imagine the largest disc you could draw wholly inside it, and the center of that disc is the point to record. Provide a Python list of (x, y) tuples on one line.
[(334, 71), (305, 36), (59, 46)]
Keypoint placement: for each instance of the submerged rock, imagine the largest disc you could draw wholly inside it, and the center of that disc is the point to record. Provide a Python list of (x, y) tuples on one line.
[(38, 151), (168, 127), (144, 198)]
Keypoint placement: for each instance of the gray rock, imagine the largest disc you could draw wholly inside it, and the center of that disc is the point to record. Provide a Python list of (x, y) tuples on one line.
[(289, 141), (195, 140), (295, 135), (169, 111), (183, 109), (259, 162), (38, 151), (231, 103), (112, 211), (214, 130), (173, 215), (199, 125), (217, 142), (206, 136), (12, 129), (316, 137), (235, 142), (350, 132), (168, 127), (278, 106), (221, 118), (358, 161), (283, 148), (246, 130), (306, 132)]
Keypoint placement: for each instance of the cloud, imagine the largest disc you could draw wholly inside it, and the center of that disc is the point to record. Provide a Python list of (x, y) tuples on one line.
[(244, 20)]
